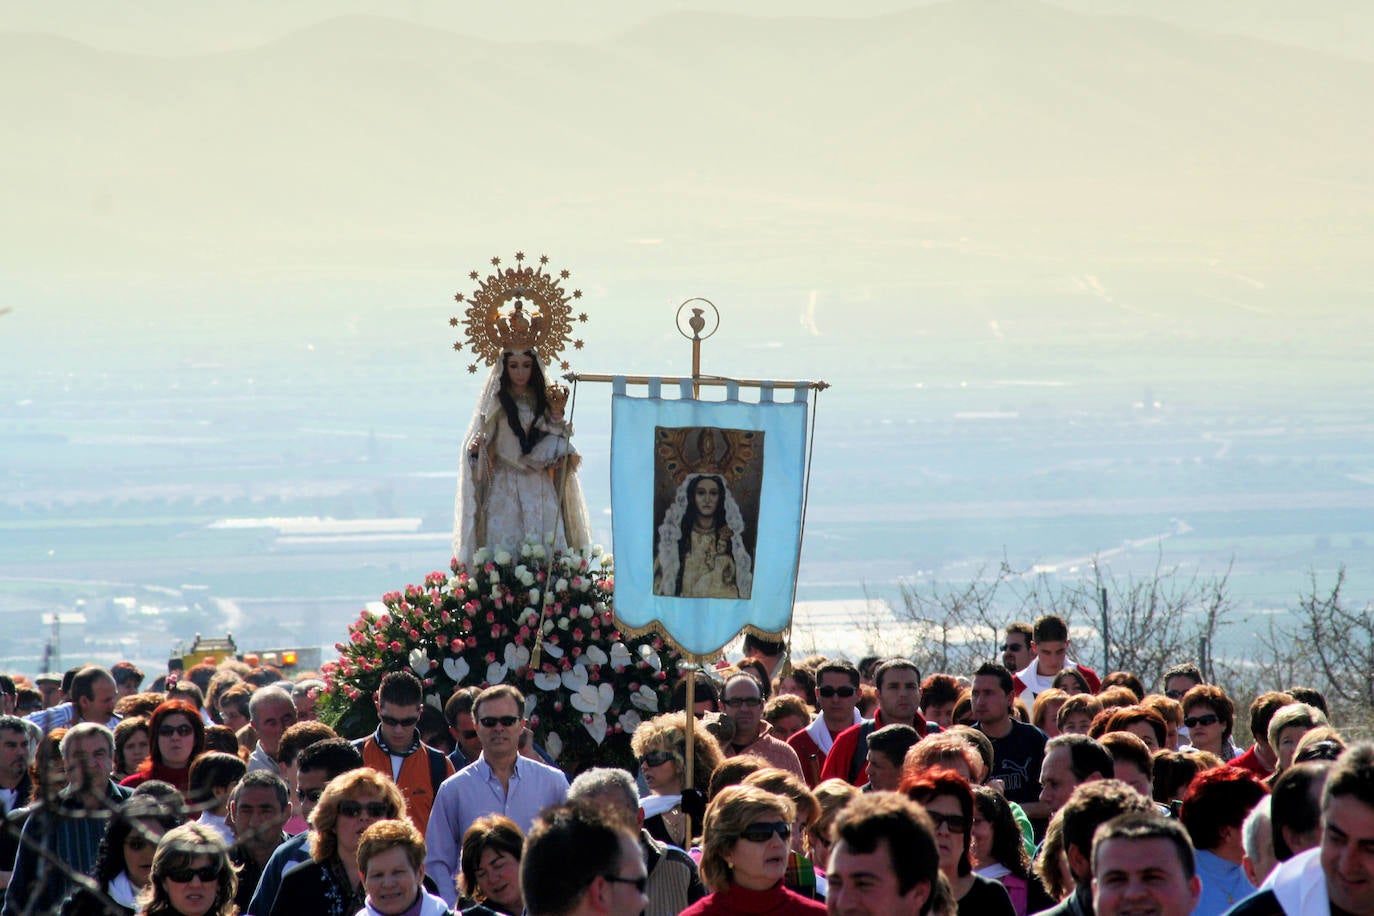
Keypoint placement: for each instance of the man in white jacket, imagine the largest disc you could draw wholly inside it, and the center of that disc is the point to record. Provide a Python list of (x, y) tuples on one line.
[(1337, 876)]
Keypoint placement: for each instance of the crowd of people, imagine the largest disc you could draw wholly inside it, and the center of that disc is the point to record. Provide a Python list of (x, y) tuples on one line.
[(1028, 785)]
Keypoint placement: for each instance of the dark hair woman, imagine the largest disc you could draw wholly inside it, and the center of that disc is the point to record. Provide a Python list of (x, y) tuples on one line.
[(133, 745), (490, 863), (700, 551), (999, 852), (948, 800), (124, 862), (191, 875), (177, 735)]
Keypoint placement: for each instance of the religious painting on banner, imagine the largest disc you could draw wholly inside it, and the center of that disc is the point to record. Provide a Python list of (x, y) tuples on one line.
[(706, 503)]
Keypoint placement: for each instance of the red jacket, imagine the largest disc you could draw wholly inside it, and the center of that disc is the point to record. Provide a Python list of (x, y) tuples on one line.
[(1250, 761), (810, 754), (841, 756)]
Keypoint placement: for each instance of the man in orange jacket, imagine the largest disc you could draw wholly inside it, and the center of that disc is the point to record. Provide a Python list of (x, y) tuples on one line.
[(395, 747)]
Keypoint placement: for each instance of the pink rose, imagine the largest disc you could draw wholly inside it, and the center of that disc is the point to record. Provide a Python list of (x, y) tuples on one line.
[(472, 642), (395, 646)]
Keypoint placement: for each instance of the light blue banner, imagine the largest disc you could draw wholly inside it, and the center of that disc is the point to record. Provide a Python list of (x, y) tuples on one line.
[(706, 500)]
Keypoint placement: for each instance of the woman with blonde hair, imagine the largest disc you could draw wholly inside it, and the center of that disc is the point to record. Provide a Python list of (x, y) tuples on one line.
[(672, 811), (191, 875), (800, 869), (1045, 710), (948, 750), (330, 884), (745, 854)]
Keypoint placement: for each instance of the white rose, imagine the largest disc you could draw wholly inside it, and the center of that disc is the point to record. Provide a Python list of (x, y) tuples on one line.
[(537, 551), (596, 550), (561, 585), (496, 591), (562, 623), (607, 561), (481, 556), (534, 595), (526, 578), (547, 627), (502, 557), (585, 611)]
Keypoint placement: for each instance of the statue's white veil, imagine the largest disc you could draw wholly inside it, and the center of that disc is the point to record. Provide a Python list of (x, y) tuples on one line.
[(468, 500), (670, 533)]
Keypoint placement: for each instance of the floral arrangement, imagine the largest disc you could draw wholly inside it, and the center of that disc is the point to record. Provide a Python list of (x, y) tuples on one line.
[(542, 622)]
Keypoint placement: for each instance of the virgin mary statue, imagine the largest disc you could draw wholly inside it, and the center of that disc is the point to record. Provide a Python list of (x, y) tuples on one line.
[(517, 479)]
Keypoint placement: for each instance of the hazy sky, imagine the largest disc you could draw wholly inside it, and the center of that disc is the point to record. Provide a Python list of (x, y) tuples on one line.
[(1166, 192), (1040, 211)]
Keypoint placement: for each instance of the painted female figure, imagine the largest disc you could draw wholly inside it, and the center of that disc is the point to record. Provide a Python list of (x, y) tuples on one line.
[(701, 551), (518, 479)]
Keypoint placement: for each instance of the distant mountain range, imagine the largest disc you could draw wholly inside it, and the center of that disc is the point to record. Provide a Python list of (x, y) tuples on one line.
[(173, 27), (977, 148)]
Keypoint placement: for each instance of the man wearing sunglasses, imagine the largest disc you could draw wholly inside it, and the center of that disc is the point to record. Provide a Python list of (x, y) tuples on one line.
[(395, 748), (463, 727), (582, 860), (500, 781), (837, 691), (742, 702), (899, 703)]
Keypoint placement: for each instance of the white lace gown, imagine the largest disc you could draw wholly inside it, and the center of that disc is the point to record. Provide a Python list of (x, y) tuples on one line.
[(517, 495)]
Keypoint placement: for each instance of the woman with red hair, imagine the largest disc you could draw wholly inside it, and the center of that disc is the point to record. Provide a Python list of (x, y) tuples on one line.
[(178, 735), (948, 799)]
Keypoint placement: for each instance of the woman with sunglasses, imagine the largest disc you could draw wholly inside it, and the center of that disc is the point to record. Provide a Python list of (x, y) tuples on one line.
[(745, 850), (191, 875), (124, 861), (1209, 716), (490, 877), (672, 812), (948, 800), (177, 735), (331, 884)]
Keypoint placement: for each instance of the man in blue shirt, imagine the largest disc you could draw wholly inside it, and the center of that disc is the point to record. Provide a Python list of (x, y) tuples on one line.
[(499, 781)]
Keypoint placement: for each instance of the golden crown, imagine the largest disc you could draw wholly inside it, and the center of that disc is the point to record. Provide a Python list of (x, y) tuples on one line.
[(517, 309), (684, 451)]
